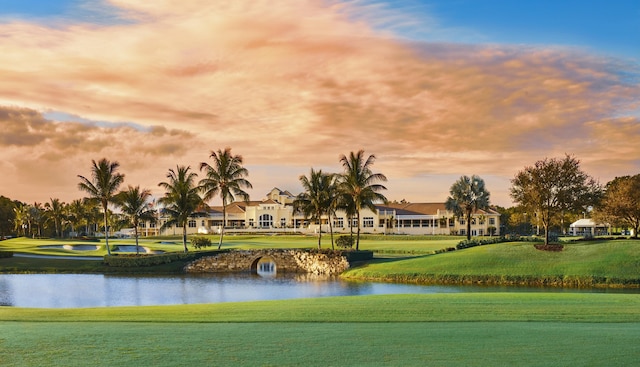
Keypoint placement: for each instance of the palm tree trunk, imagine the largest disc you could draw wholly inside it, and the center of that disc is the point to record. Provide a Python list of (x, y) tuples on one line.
[(319, 231), (184, 236), (224, 223), (331, 232), (468, 225), (358, 236), (135, 233), (106, 231)]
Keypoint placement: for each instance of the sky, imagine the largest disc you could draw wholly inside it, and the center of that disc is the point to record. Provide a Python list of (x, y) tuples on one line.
[(435, 89)]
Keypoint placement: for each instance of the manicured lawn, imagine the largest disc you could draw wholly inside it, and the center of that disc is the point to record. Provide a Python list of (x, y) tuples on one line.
[(581, 263), (501, 329)]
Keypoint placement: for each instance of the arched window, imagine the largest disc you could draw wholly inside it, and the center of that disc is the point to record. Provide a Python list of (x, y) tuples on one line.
[(265, 220)]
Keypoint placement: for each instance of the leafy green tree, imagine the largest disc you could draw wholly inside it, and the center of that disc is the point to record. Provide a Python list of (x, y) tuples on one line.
[(135, 206), (317, 199), (102, 187), (553, 186), (621, 203), (181, 199), (55, 210), (360, 184), (226, 178), (7, 216), (467, 195)]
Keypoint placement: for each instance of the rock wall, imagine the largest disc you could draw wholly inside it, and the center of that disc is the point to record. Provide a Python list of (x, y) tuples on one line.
[(286, 260)]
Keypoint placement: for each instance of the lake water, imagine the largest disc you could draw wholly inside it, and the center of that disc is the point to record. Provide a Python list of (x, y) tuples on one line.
[(97, 290)]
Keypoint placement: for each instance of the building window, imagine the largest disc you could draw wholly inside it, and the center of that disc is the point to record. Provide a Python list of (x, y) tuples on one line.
[(338, 222), (367, 222), (462, 222), (143, 225), (492, 221), (192, 223), (152, 225), (265, 220), (283, 222), (250, 222)]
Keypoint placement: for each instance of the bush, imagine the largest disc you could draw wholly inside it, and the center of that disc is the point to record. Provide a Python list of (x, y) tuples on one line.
[(134, 261), (345, 242), (6, 254), (200, 242)]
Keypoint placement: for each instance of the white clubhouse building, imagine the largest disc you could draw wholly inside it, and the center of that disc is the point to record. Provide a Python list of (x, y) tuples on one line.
[(275, 214)]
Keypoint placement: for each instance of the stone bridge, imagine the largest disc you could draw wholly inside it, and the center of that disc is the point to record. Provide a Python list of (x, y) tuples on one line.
[(271, 260)]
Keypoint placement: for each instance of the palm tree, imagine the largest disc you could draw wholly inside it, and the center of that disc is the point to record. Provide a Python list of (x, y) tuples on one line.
[(317, 199), (181, 198), (22, 218), (226, 177), (77, 213), (135, 206), (103, 187), (55, 210), (36, 215), (360, 185), (467, 196)]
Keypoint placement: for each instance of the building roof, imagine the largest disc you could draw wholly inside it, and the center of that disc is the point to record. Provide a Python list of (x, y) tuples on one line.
[(586, 222), (423, 208)]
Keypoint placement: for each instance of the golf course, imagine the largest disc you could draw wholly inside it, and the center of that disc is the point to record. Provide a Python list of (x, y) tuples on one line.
[(512, 328)]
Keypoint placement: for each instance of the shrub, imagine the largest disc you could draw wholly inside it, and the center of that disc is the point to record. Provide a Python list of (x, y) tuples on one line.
[(200, 242), (345, 242), (133, 260), (6, 254)]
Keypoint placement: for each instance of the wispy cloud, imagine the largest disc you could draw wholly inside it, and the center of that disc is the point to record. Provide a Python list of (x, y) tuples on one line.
[(295, 84)]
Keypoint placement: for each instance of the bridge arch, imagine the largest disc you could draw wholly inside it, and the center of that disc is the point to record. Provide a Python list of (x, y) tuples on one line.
[(283, 260)]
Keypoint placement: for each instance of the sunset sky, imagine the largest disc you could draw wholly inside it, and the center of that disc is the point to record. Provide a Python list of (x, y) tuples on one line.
[(435, 89)]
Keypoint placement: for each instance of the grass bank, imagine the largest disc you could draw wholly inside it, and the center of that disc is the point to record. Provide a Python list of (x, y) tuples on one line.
[(524, 329), (580, 264)]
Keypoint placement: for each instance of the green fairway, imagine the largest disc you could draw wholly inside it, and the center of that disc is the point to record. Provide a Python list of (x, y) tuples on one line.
[(579, 264), (478, 329)]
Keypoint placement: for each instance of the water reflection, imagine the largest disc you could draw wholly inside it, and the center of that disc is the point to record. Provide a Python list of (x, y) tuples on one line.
[(266, 267), (96, 290)]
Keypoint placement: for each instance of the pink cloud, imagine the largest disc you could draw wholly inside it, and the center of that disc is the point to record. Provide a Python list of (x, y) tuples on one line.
[(295, 84)]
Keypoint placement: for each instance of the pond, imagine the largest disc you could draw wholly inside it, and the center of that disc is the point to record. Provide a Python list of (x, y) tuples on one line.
[(97, 290)]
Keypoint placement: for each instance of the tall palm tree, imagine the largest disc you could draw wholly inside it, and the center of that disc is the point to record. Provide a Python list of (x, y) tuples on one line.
[(226, 177), (468, 194), (181, 199), (37, 217), (135, 205), (55, 210), (360, 184), (22, 218), (77, 213), (316, 200), (103, 186)]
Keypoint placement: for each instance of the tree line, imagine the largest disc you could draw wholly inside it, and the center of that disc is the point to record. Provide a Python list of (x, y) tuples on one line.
[(554, 191)]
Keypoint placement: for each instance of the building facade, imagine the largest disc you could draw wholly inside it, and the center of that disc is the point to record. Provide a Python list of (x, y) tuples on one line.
[(275, 214)]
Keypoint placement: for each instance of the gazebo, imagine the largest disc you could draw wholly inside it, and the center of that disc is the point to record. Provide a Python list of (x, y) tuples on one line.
[(587, 227)]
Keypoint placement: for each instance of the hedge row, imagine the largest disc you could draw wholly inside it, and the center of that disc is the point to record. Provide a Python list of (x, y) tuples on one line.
[(520, 280), (134, 261), (6, 254)]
